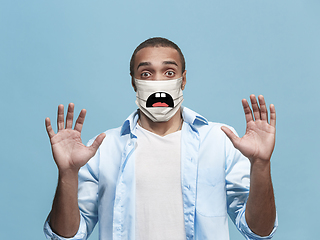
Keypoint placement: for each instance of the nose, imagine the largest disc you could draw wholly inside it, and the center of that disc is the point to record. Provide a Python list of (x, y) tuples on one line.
[(157, 76)]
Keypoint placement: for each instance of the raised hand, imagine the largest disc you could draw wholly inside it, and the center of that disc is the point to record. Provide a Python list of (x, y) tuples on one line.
[(259, 139), (68, 150)]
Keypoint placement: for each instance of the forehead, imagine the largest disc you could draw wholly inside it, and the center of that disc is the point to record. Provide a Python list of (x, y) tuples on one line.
[(156, 55)]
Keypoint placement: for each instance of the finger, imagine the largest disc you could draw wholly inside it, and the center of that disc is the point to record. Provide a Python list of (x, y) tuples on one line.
[(60, 118), (49, 128), (80, 120), (247, 110), (97, 142), (255, 107), (69, 118), (272, 115), (263, 108), (233, 138)]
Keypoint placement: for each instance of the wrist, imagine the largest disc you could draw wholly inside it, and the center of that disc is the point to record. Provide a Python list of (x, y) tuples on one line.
[(259, 161), (68, 175), (258, 165)]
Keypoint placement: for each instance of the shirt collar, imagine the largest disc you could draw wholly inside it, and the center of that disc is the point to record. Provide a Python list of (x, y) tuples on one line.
[(129, 124), (189, 116), (193, 118)]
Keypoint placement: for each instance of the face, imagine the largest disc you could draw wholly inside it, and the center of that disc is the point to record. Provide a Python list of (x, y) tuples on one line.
[(158, 63)]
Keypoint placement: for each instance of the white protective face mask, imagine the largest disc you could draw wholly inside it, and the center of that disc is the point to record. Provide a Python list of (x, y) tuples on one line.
[(159, 100)]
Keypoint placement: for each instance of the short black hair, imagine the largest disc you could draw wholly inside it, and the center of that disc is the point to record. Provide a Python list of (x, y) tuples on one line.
[(156, 42)]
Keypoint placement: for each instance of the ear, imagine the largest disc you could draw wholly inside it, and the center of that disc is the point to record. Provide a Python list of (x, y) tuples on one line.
[(133, 84), (184, 79)]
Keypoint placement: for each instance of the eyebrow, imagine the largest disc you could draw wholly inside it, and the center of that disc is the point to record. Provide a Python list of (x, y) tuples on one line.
[(170, 63), (143, 64), (164, 63)]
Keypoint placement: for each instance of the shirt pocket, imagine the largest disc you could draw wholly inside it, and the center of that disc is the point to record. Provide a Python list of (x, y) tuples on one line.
[(211, 193)]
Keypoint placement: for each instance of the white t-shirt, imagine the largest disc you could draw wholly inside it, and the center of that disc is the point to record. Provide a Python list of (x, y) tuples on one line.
[(159, 205)]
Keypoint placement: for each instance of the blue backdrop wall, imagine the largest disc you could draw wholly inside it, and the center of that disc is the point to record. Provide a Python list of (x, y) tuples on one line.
[(54, 52)]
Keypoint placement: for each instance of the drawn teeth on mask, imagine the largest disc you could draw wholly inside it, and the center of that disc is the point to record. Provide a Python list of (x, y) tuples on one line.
[(160, 99), (160, 95)]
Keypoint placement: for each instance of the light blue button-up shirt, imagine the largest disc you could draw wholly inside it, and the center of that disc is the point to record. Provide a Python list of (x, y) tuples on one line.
[(214, 180)]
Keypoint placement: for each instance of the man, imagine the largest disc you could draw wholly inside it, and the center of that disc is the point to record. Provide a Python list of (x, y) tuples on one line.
[(166, 173)]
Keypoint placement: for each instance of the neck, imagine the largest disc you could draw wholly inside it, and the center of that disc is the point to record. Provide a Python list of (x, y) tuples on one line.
[(161, 128)]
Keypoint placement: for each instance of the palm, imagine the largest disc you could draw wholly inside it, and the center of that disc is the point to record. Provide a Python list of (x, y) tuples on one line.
[(67, 147), (259, 139)]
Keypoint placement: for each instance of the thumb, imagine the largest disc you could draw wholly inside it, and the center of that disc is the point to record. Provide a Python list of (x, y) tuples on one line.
[(233, 138), (97, 142)]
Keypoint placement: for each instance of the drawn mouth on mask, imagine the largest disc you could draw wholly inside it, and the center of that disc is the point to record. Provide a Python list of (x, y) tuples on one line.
[(160, 99)]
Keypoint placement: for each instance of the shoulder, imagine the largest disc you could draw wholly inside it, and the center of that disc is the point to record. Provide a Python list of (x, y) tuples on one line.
[(121, 133), (113, 138), (213, 132), (215, 127), (202, 126)]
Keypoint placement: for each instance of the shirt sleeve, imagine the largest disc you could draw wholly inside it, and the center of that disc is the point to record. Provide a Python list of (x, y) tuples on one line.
[(246, 231), (237, 187), (87, 200), (81, 234)]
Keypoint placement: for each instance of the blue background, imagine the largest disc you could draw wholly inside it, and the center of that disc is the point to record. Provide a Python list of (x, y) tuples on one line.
[(54, 52)]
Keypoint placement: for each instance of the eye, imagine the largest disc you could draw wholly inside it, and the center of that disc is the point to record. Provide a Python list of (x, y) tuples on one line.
[(145, 74), (170, 73)]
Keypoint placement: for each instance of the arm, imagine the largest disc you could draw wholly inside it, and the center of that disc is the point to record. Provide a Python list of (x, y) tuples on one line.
[(257, 145), (70, 155), (65, 214)]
